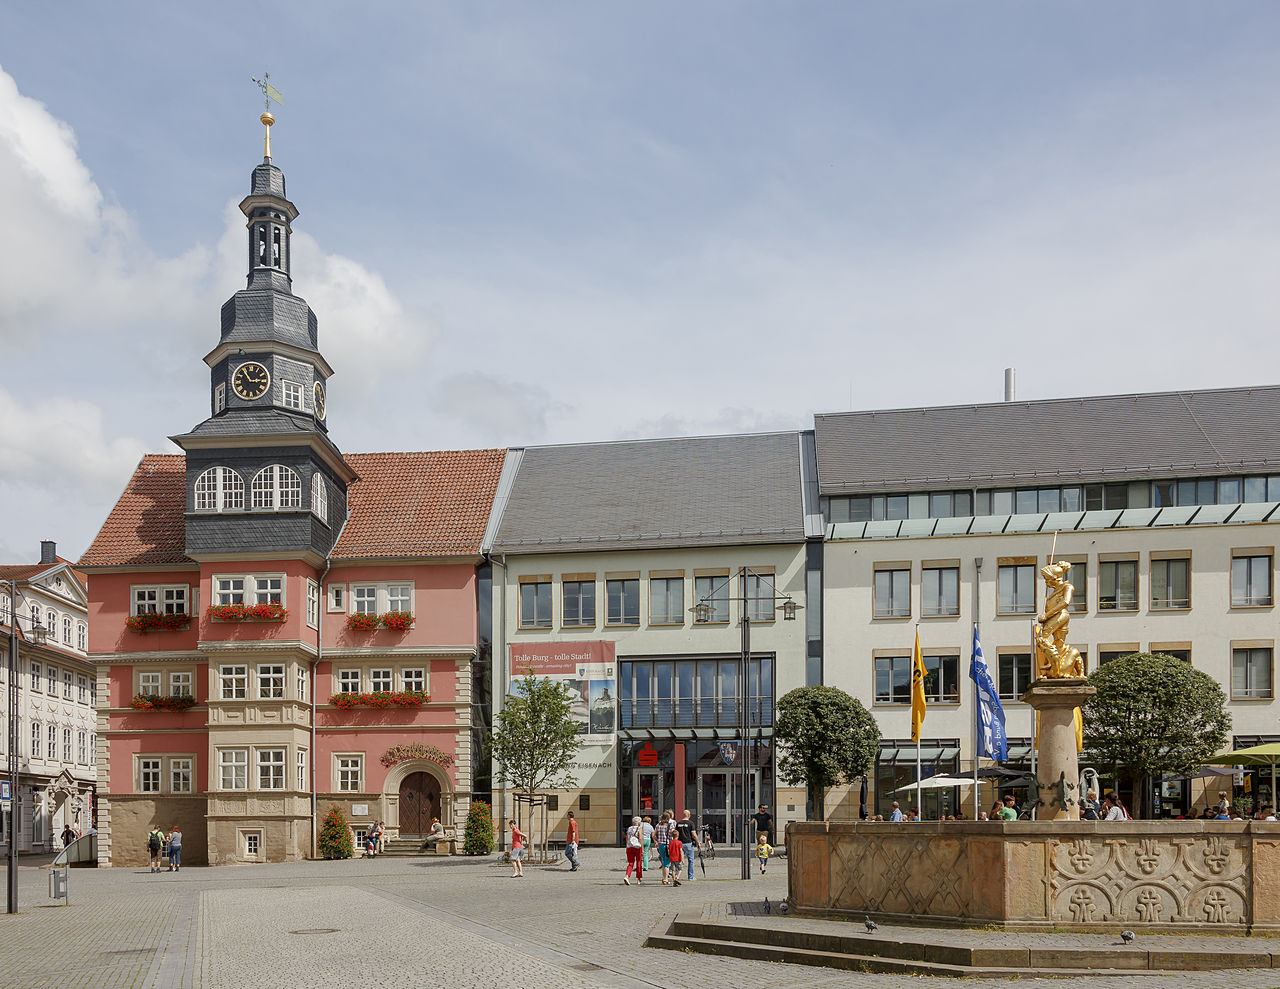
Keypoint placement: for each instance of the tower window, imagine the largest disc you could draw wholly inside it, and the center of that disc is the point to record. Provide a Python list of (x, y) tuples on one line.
[(319, 497), (219, 398), (277, 487), (275, 247), (264, 248), (292, 395), (219, 489)]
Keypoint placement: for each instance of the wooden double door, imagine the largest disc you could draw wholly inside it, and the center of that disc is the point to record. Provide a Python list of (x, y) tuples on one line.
[(419, 803)]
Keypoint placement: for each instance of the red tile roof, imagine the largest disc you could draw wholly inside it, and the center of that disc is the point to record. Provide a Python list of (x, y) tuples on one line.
[(146, 525), (403, 505), (25, 571), (419, 504)]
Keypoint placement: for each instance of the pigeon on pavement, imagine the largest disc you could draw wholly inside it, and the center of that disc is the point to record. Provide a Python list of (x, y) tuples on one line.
[(767, 908), (871, 925), (1127, 937)]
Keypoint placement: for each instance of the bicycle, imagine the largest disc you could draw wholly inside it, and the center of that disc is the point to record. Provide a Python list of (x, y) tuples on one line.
[(708, 846)]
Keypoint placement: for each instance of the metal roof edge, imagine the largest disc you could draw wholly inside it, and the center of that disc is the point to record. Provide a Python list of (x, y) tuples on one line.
[(506, 481)]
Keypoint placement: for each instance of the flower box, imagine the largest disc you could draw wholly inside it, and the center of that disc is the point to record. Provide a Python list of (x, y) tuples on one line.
[(247, 612), (163, 622), (380, 699), (395, 621), (154, 702)]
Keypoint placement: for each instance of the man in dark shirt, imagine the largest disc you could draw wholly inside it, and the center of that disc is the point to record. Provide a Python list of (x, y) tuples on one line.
[(688, 838), (764, 822)]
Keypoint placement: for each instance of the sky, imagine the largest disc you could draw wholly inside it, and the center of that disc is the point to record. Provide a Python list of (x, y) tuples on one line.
[(567, 221)]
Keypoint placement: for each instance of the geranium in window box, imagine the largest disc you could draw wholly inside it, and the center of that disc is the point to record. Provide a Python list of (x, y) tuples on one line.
[(154, 702), (380, 699), (248, 612), (361, 621), (165, 622), (397, 621)]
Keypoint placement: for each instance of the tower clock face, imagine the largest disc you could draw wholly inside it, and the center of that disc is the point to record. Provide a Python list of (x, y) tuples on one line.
[(251, 381), (318, 399)]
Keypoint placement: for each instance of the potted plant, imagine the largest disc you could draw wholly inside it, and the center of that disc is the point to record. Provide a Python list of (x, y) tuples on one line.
[(149, 620)]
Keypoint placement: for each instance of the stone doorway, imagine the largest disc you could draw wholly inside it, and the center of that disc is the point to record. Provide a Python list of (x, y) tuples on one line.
[(419, 803)]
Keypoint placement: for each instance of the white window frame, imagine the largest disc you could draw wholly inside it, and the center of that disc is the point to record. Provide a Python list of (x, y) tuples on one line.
[(37, 751), (313, 604), (344, 681), (180, 684), (233, 682), (364, 599), (414, 678), (82, 689), (373, 598), (159, 599), (381, 679), (219, 398), (270, 681), (66, 629), (276, 488), (68, 684), (252, 844), (51, 743), (218, 489), (233, 766), (319, 497), (270, 763), (302, 769), (291, 394), (349, 772), (82, 636), (181, 774), (51, 680), (82, 747), (1249, 691), (302, 682), (1248, 597), (149, 684), (399, 597), (36, 674), (150, 769), (228, 589), (66, 745), (268, 589), (337, 597)]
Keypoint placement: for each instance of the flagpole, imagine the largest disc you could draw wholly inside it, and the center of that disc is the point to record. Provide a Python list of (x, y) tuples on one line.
[(918, 733), (977, 700)]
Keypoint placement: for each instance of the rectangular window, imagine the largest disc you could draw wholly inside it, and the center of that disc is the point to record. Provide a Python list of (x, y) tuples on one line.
[(1079, 587), (1251, 582), (149, 684), (313, 604), (893, 680), (1015, 675), (535, 604), (380, 680), (160, 600), (35, 740), (51, 743), (51, 680), (1118, 585), (624, 601), (271, 682), (348, 681), (302, 769), (400, 597), (1250, 674), (1170, 585), (892, 594), (82, 689), (578, 601), (36, 670), (228, 590), (1106, 656), (414, 679), (219, 398), (939, 591), (302, 682), (180, 685), (234, 681), (337, 597), (179, 775), (349, 767), (82, 747), (1016, 589), (666, 600), (66, 745), (252, 843), (292, 395), (760, 594), (233, 769), (713, 592), (268, 590), (270, 769), (68, 684), (942, 679), (364, 600), (149, 775)]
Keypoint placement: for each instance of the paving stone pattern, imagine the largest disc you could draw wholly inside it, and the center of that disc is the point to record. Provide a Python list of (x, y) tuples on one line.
[(447, 922)]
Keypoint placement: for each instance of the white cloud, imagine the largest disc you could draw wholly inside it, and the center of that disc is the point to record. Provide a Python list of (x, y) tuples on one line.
[(496, 410)]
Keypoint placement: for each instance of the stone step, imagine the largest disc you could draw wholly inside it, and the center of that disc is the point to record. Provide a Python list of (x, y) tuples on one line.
[(842, 948)]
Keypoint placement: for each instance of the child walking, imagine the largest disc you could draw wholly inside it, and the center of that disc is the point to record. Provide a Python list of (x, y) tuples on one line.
[(517, 851), (763, 849)]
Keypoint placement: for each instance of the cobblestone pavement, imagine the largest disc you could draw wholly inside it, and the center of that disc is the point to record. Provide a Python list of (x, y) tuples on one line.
[(452, 922)]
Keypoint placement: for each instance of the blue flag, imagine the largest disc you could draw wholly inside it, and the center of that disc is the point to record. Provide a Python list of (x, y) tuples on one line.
[(992, 740)]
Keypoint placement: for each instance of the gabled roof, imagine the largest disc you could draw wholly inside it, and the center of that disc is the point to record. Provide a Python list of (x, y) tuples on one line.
[(1111, 437), (403, 505), (690, 491)]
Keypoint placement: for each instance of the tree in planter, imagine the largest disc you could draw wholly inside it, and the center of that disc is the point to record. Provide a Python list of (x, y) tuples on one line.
[(335, 835), (825, 738), (478, 838), (1153, 714), (535, 737)]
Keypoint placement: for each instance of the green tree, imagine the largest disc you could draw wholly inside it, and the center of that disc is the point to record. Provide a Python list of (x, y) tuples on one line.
[(1153, 714), (478, 838), (826, 738), (535, 737), (334, 841)]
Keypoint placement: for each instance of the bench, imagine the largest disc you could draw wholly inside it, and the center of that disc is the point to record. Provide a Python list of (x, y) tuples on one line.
[(448, 845)]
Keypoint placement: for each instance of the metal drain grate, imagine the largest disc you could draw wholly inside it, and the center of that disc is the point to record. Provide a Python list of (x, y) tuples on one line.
[(317, 930), (587, 967)]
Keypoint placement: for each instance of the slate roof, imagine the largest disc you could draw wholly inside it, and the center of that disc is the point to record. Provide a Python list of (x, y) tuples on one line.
[(403, 505), (1112, 437), (707, 490), (257, 422)]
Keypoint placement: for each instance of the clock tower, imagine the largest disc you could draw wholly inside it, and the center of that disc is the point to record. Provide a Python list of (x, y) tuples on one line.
[(263, 477)]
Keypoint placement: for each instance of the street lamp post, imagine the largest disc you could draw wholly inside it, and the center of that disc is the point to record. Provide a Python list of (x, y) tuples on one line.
[(38, 634), (702, 614)]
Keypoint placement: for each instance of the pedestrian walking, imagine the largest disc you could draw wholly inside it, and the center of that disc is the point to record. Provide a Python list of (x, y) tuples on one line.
[(764, 822), (155, 843), (68, 836), (896, 817), (517, 850), (763, 850), (675, 852), (571, 843), (662, 837), (635, 852), (687, 835), (646, 835), (175, 849)]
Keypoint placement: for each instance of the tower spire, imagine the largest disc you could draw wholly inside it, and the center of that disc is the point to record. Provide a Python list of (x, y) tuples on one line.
[(269, 93)]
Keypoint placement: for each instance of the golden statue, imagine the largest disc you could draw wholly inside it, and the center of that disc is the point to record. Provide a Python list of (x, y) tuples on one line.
[(1054, 658)]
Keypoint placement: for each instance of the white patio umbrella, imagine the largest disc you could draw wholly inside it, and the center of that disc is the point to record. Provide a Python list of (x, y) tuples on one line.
[(937, 783)]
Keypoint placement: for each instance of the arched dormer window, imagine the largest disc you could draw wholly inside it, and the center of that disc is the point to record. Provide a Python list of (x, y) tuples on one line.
[(319, 497), (277, 487), (219, 489)]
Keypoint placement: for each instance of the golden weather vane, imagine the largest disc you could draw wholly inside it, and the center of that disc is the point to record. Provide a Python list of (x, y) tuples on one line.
[(269, 93)]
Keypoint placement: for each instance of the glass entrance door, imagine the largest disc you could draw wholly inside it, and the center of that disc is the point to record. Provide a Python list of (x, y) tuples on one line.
[(720, 802), (647, 788)]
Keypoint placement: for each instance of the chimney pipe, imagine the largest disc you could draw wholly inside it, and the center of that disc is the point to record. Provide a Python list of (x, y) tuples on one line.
[(1010, 387), (48, 552)]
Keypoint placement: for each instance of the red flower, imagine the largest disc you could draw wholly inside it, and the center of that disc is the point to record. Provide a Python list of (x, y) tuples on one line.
[(148, 621)]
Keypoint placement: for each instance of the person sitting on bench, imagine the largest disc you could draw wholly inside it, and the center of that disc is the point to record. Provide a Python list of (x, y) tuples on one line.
[(436, 834)]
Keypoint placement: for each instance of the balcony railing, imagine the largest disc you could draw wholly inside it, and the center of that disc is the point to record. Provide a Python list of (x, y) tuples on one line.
[(668, 713)]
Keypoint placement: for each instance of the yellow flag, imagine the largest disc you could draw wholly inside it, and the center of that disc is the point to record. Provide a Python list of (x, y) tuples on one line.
[(917, 691)]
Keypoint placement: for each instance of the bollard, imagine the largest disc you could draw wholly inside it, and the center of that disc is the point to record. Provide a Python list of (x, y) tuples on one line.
[(59, 884)]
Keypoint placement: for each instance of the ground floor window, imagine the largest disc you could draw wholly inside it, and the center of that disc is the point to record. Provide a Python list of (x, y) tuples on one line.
[(895, 770)]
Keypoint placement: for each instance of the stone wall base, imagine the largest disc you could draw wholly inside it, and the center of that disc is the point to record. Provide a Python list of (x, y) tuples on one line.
[(131, 819)]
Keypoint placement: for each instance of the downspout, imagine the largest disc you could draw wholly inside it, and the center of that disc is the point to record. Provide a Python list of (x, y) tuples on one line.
[(315, 666), (501, 680)]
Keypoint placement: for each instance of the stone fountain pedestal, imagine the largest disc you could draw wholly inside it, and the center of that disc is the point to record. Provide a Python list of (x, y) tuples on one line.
[(1057, 762)]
